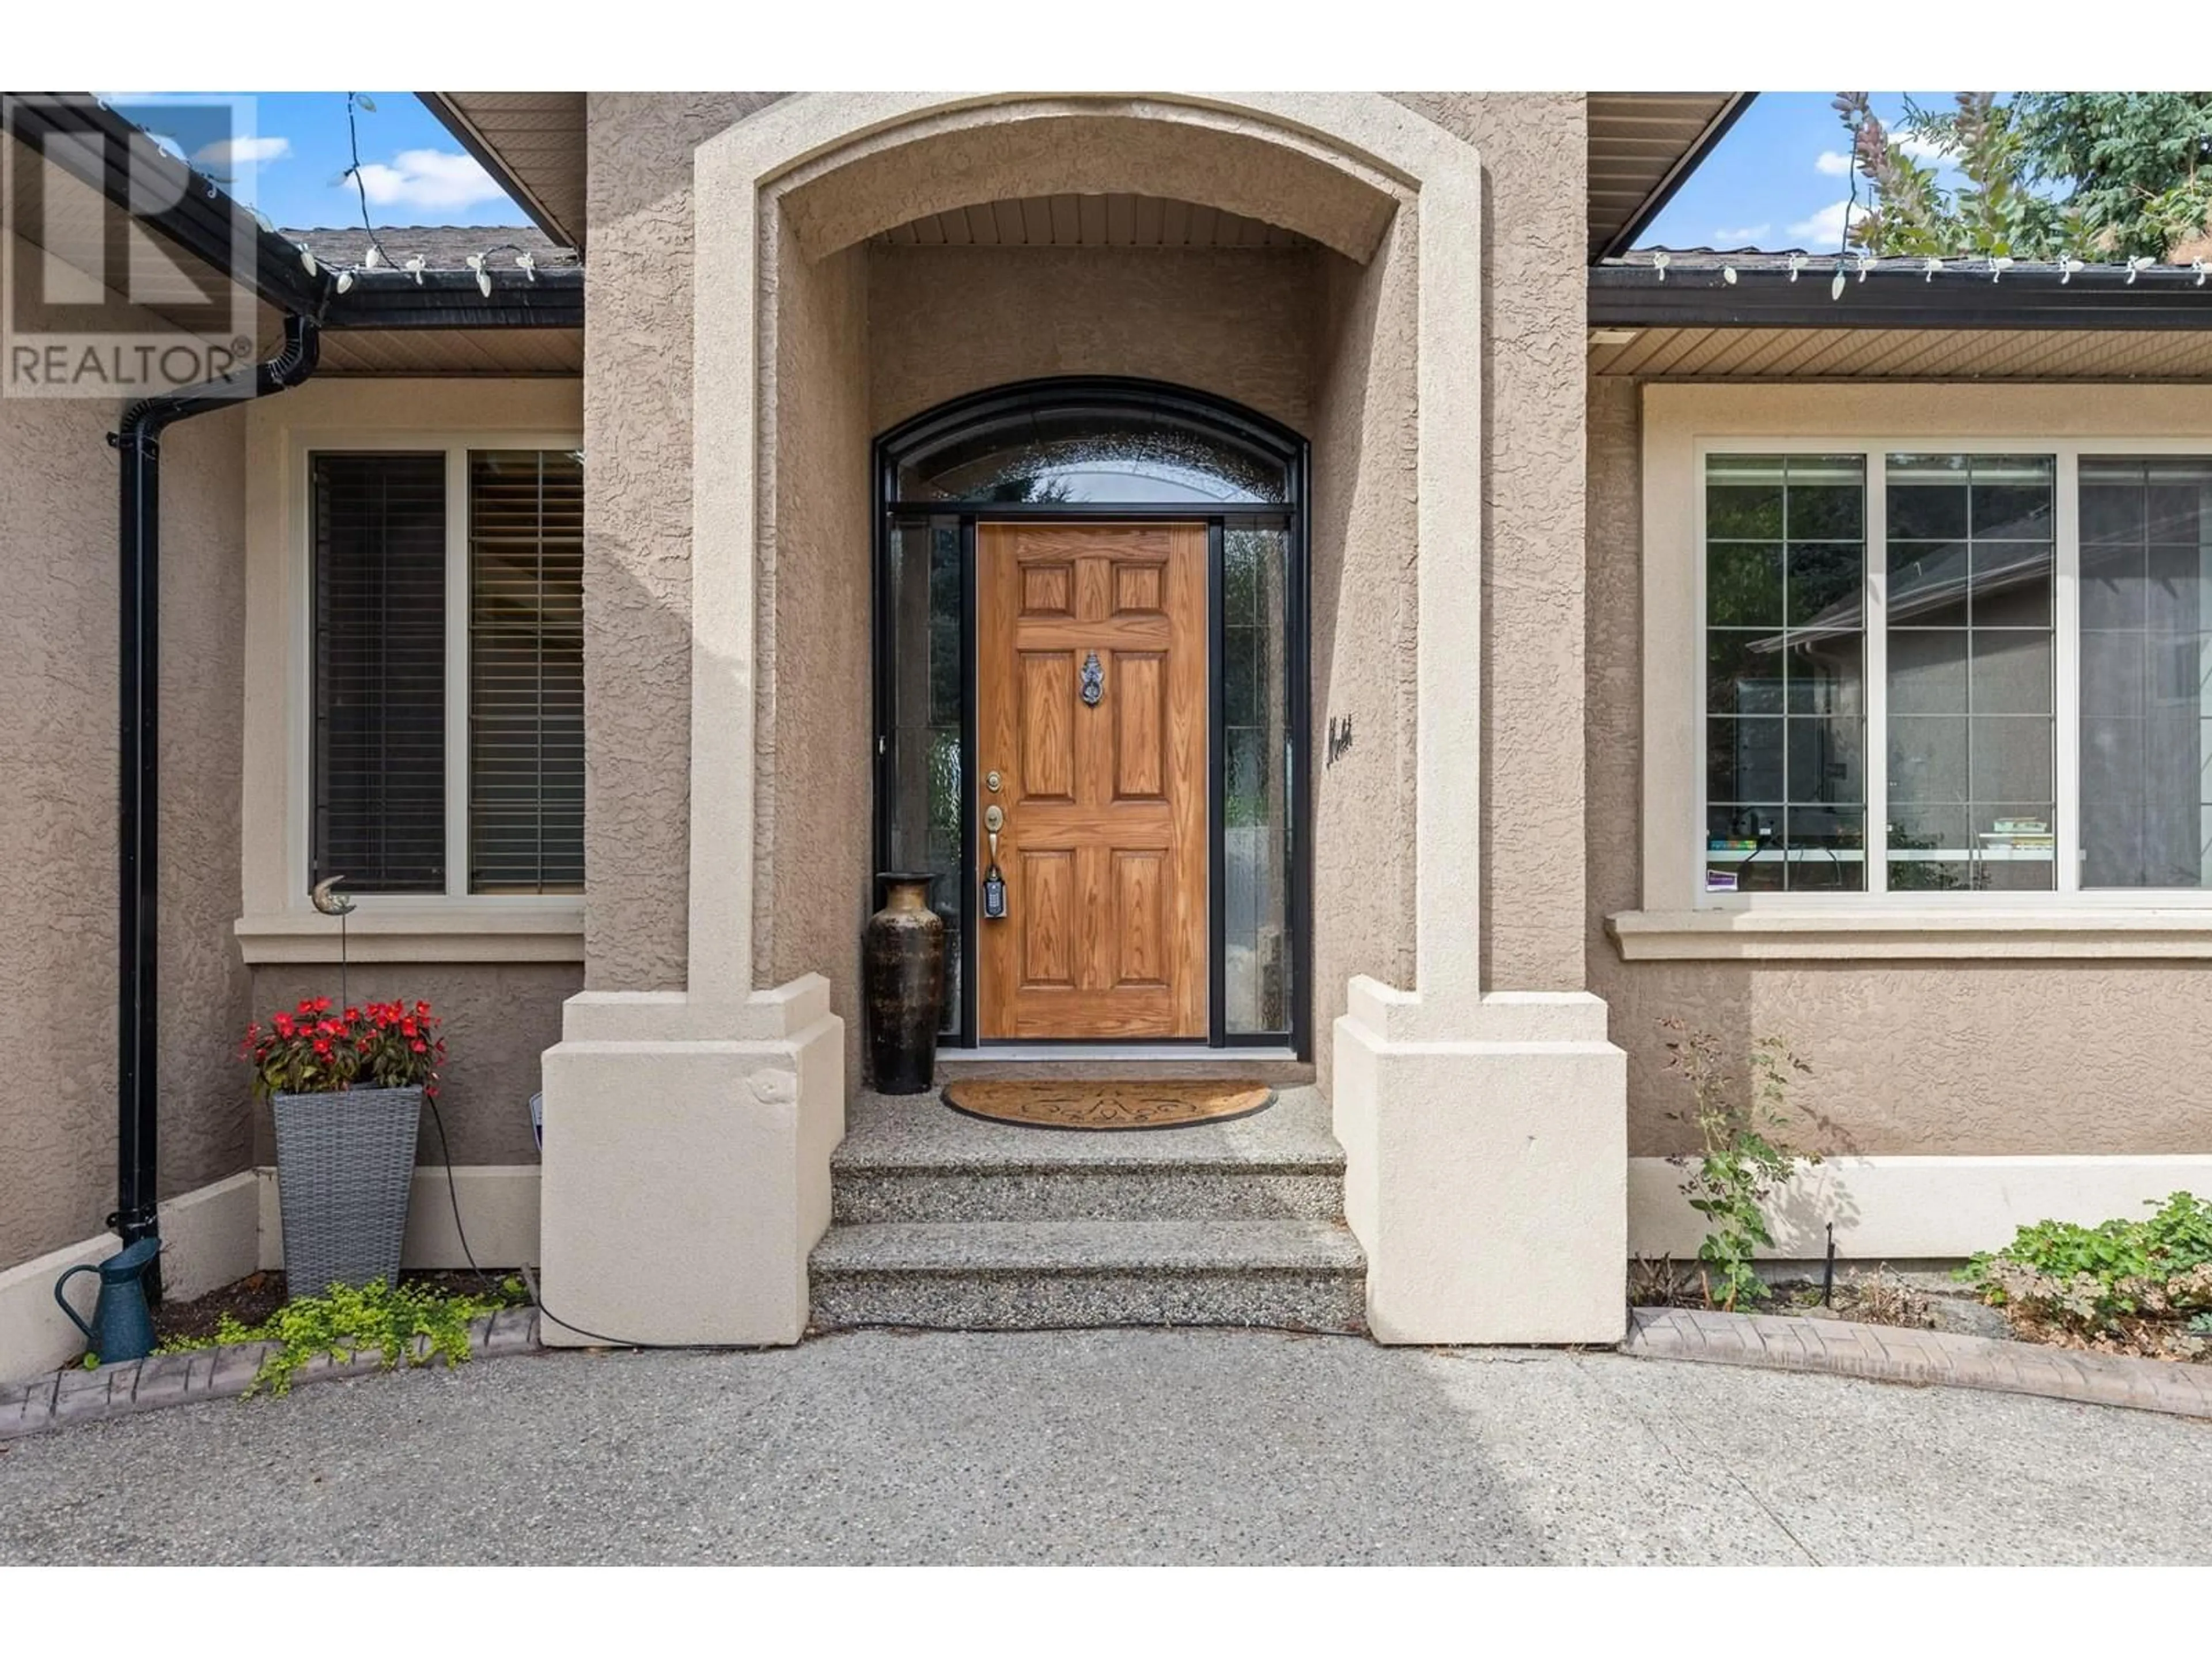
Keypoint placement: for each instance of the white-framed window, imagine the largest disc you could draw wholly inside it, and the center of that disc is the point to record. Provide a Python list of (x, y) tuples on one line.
[(438, 693), (1938, 671)]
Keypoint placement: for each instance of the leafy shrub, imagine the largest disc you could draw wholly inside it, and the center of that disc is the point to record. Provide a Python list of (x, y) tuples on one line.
[(1743, 1155), (412, 1321), (2139, 1286)]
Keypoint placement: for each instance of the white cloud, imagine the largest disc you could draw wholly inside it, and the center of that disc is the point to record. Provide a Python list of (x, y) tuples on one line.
[(231, 152), (1825, 229), (1747, 236), (433, 178), (1834, 163)]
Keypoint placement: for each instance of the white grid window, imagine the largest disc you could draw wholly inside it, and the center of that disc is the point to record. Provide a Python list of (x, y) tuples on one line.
[(1936, 668)]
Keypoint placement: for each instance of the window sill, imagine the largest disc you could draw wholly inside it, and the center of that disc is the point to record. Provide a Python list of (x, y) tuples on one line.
[(461, 930), (1902, 934)]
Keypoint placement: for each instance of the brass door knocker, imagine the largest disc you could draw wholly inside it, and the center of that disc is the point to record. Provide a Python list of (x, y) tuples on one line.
[(1093, 680)]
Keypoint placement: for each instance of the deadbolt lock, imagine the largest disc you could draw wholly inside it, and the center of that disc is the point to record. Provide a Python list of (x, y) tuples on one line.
[(994, 819), (991, 781)]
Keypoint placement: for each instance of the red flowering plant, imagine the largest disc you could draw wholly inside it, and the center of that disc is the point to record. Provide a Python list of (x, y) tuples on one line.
[(313, 1050)]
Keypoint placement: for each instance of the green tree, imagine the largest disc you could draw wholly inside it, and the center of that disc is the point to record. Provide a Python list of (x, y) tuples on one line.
[(2042, 175), (2138, 165)]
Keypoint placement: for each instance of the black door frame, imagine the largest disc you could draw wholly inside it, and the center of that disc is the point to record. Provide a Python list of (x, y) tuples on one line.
[(1234, 423)]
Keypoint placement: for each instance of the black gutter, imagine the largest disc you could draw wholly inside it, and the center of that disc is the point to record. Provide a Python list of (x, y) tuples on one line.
[(453, 299), (1897, 296), (208, 223), (1678, 175), (201, 218), (138, 440)]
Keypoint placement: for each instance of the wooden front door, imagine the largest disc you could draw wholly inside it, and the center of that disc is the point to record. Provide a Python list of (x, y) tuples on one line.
[(1092, 681)]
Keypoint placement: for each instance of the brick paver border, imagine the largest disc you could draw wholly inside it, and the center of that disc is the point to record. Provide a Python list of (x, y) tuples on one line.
[(1890, 1353), (77, 1395)]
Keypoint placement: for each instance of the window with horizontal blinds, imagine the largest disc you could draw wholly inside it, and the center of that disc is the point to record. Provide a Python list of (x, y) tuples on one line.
[(378, 524), (525, 672)]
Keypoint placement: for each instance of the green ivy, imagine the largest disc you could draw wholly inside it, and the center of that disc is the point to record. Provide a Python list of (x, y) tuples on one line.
[(345, 1321), (2111, 1270)]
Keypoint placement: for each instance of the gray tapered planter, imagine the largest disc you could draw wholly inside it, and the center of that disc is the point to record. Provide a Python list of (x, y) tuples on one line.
[(345, 1163)]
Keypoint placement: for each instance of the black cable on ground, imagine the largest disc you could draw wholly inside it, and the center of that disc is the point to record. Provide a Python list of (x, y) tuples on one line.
[(453, 1198)]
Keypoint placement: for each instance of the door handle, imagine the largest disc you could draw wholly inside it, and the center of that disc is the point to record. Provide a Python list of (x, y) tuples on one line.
[(994, 884)]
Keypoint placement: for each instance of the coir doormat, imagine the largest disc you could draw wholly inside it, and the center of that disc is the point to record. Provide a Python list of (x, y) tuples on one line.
[(1107, 1105)]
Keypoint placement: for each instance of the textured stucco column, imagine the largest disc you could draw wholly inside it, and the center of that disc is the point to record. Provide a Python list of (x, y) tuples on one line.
[(1485, 1134), (688, 1133), (686, 1177)]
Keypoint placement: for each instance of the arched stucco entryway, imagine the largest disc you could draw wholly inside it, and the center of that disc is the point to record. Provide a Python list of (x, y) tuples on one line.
[(746, 1065)]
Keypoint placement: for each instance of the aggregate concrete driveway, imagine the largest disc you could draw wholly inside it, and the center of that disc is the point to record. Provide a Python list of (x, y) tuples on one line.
[(1112, 1446)]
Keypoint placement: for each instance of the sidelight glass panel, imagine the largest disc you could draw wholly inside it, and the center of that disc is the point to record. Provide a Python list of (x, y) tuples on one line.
[(2145, 741), (1786, 642), (1256, 781), (1970, 673), (923, 598)]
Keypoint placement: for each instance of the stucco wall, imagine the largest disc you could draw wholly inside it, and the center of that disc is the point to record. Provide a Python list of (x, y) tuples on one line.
[(58, 778), (1239, 323), (1534, 233), (813, 831), (499, 1019), (1364, 618), (1909, 1057), (637, 527), (941, 322)]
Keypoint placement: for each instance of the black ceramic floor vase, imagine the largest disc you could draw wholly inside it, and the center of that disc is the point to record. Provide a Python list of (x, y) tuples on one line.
[(903, 979)]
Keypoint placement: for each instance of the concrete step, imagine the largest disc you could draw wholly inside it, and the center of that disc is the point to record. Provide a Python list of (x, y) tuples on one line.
[(1045, 1275), (913, 1159)]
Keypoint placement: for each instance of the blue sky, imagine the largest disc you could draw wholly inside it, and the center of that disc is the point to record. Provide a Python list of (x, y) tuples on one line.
[(414, 171), (1779, 178)]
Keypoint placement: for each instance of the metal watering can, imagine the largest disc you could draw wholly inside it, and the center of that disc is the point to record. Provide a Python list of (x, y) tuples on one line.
[(122, 1326)]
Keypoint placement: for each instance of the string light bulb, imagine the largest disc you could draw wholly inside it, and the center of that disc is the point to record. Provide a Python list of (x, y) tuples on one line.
[(307, 259), (2198, 266), (1797, 265), (2138, 266), (527, 262), (414, 268), (1927, 271), (1660, 261), (345, 282), (2000, 264), (372, 259), (1728, 275), (2066, 270), (1866, 261), (1836, 288)]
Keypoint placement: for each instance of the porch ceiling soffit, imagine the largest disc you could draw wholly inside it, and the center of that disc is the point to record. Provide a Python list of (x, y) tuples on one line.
[(944, 156)]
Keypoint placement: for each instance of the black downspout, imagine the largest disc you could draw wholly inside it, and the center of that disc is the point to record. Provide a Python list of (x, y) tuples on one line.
[(138, 799)]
